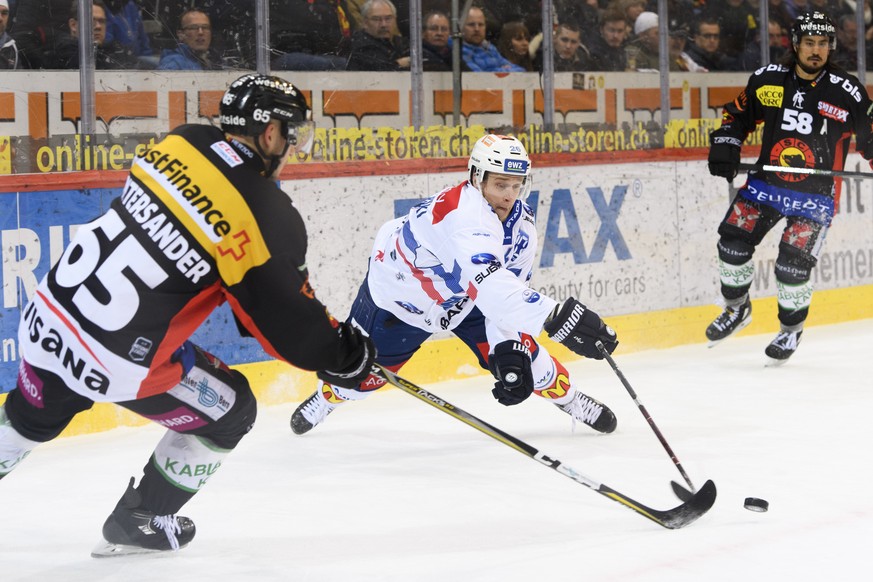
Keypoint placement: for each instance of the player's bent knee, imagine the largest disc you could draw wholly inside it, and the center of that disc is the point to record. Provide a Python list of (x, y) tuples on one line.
[(793, 266), (734, 250)]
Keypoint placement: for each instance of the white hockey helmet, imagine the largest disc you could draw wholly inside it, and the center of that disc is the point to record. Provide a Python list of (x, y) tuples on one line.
[(501, 154)]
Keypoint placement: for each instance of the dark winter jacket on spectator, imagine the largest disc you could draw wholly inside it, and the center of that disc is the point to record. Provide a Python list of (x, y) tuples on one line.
[(436, 59), (106, 56), (712, 62), (8, 53), (316, 27), (738, 27), (38, 26), (606, 58), (374, 54)]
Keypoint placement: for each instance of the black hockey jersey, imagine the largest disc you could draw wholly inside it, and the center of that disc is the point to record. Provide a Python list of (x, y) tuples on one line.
[(806, 124), (196, 224)]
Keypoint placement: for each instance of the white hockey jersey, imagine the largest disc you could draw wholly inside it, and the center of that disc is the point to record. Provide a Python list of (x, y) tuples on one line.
[(451, 253)]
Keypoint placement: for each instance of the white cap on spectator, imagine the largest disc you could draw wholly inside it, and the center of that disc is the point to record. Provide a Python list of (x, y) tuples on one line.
[(645, 21), (4, 4)]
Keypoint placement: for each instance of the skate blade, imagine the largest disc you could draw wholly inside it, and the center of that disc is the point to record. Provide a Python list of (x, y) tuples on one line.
[(106, 549), (741, 327), (773, 362)]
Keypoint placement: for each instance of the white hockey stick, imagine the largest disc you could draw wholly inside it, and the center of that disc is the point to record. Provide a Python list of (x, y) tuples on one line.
[(696, 505), (811, 171)]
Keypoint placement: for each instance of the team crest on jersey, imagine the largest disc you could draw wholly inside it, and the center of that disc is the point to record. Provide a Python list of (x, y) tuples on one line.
[(770, 95), (793, 153)]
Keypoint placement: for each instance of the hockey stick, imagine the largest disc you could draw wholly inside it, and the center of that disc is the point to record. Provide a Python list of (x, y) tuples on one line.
[(813, 171), (675, 518), (681, 492)]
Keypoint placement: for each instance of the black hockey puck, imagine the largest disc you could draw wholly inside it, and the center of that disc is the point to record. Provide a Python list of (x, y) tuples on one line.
[(755, 504)]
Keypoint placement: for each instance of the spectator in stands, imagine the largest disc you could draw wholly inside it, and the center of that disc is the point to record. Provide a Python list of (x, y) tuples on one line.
[(846, 55), (514, 44), (195, 52), (233, 27), (309, 35), (478, 53), (401, 7), (607, 48), (570, 53), (642, 51), (777, 48), (631, 10), (37, 28), (124, 26), (778, 41), (436, 54), (676, 42), (499, 12), (583, 13), (703, 49), (738, 22), (110, 55), (778, 12), (375, 47), (8, 49)]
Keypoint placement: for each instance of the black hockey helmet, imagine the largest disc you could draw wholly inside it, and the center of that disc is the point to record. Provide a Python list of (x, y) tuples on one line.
[(253, 100), (814, 24)]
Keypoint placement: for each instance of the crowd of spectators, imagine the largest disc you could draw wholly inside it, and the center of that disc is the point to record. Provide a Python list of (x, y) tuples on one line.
[(373, 35)]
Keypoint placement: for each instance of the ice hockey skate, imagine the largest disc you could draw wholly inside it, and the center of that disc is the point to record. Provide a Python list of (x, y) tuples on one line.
[(315, 409), (783, 346), (732, 319), (590, 412), (130, 529)]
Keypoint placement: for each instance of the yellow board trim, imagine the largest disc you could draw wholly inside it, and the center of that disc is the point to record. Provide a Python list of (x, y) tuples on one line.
[(448, 359)]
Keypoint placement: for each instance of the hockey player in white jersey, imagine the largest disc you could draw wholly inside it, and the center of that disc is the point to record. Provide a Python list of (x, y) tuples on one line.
[(460, 261)]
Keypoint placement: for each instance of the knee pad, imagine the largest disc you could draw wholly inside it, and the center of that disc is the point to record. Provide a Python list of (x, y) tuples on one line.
[(734, 250), (238, 421), (793, 266)]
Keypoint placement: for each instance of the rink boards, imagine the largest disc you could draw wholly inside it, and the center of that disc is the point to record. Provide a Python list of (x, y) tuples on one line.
[(634, 239)]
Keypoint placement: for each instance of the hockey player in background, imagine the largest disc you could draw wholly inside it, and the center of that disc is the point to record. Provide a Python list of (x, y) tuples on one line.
[(460, 261), (199, 222), (810, 109)]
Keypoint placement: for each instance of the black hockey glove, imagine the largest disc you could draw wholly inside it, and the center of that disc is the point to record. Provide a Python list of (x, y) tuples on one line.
[(510, 364), (724, 157), (363, 353), (579, 328)]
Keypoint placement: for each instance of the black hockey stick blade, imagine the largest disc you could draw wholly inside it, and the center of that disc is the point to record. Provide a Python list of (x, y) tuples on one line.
[(674, 518), (681, 492)]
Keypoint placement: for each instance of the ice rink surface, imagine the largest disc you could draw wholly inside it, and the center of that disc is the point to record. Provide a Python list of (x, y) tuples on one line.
[(392, 489)]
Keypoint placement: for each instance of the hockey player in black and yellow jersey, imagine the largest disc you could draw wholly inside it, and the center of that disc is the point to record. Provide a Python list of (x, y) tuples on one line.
[(200, 221), (810, 109)]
